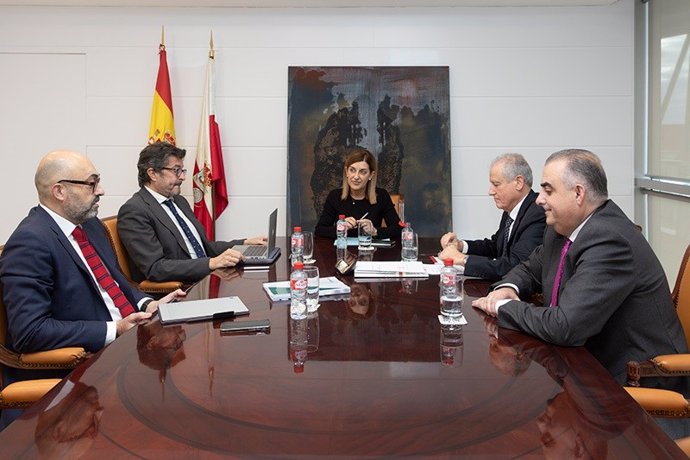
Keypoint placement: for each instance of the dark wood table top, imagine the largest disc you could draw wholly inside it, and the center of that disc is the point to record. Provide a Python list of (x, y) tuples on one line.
[(381, 378)]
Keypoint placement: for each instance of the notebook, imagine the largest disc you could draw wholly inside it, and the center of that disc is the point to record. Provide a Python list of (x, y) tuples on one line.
[(198, 310), (258, 254)]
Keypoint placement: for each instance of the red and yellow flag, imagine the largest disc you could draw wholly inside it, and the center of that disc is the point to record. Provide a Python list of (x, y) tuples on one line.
[(162, 123), (210, 192)]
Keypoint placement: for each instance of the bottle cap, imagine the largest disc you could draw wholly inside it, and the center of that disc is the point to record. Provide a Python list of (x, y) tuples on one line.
[(341, 216), (298, 229), (447, 262), (300, 265)]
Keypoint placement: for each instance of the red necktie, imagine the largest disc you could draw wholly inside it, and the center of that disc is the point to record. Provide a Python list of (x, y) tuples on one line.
[(559, 274), (101, 273)]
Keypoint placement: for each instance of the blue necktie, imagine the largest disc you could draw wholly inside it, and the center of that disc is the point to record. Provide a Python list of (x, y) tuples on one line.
[(506, 235), (185, 228)]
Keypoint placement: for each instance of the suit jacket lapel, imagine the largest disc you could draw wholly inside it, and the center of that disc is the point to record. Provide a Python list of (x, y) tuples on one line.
[(187, 211), (529, 199), (160, 214), (67, 246)]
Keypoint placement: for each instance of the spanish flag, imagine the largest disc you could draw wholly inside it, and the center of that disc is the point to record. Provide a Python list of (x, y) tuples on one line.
[(210, 192), (162, 123)]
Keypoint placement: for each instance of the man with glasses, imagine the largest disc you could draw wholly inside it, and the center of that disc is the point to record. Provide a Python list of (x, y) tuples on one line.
[(61, 283), (163, 238)]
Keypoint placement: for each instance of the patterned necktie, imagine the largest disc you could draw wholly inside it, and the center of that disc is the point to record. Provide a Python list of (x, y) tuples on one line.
[(506, 235), (559, 274), (101, 273), (185, 228)]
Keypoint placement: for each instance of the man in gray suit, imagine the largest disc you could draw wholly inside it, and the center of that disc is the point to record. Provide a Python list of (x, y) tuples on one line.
[(163, 238), (603, 286)]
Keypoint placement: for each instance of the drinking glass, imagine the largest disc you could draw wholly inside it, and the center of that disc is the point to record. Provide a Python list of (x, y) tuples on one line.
[(308, 247), (364, 237), (312, 288), (410, 248)]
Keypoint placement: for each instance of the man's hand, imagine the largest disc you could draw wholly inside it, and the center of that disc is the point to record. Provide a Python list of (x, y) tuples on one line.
[(130, 321), (229, 258), (451, 252), (450, 239), (488, 303), (176, 294), (262, 240)]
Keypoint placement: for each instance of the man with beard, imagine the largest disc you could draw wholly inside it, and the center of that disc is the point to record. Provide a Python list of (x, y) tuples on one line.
[(61, 283), (163, 238)]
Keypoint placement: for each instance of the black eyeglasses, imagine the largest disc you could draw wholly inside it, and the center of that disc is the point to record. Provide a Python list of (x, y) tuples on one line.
[(177, 171), (91, 183)]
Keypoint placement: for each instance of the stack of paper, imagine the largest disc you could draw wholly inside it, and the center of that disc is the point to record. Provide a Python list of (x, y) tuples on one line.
[(280, 290), (377, 243), (390, 270)]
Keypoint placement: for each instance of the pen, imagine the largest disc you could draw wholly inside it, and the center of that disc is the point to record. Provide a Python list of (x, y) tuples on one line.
[(365, 215)]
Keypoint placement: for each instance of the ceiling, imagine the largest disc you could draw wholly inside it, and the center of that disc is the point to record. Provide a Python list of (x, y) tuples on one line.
[(304, 3)]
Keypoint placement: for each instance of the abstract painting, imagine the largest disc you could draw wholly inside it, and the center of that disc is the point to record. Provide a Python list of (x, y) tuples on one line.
[(400, 114)]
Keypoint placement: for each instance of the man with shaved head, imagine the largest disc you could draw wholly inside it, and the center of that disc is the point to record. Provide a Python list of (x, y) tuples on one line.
[(61, 283)]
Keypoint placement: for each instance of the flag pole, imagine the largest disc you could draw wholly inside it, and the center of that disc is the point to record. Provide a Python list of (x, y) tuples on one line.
[(211, 51), (163, 36)]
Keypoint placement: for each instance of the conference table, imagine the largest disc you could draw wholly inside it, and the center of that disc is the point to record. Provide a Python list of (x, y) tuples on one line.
[(376, 376)]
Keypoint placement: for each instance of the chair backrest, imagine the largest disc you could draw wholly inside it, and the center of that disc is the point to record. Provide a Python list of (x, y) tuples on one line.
[(111, 229), (681, 294), (3, 314)]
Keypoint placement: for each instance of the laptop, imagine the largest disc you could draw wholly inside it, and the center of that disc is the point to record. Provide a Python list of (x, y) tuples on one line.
[(256, 254)]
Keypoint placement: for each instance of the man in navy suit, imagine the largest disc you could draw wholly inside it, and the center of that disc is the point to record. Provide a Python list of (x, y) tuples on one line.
[(603, 286), (521, 228), (61, 283)]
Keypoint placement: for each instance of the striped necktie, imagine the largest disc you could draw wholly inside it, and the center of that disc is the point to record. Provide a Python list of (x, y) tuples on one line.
[(101, 273), (506, 235), (185, 228)]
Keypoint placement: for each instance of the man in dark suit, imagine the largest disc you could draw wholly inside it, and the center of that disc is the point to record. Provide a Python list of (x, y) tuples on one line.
[(163, 238), (603, 286), (521, 228), (61, 283)]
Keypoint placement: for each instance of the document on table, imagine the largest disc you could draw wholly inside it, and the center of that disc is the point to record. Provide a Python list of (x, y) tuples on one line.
[(377, 243), (329, 286), (396, 269)]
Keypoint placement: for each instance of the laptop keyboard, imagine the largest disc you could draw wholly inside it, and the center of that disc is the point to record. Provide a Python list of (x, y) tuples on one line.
[(255, 251)]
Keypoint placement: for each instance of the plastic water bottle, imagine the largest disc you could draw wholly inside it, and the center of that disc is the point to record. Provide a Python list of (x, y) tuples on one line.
[(297, 245), (450, 291), (341, 237), (298, 292), (409, 248), (406, 234)]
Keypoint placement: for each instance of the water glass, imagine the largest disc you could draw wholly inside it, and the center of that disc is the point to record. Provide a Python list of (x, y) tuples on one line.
[(364, 237), (312, 288), (410, 248), (308, 247)]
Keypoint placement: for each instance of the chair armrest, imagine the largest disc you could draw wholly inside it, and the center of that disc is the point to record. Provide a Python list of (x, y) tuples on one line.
[(660, 403), (164, 287), (61, 358), (662, 365), (20, 395)]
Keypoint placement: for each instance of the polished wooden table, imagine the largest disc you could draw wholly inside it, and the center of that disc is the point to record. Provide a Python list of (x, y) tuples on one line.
[(379, 377)]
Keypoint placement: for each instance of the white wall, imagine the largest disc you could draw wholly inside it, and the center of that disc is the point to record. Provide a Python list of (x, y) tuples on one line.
[(531, 80)]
